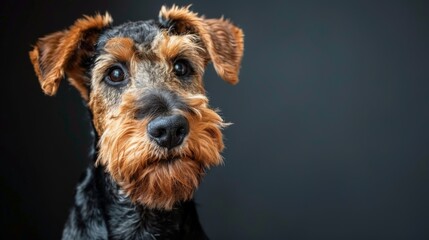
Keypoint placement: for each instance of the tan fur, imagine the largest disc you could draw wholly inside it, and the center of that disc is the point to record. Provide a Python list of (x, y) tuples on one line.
[(121, 48), (168, 48), (59, 53), (223, 41)]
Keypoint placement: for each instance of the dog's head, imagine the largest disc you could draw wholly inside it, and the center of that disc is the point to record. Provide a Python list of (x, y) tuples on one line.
[(143, 84)]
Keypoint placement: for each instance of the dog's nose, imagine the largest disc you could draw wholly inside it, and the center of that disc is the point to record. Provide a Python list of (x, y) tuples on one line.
[(168, 131)]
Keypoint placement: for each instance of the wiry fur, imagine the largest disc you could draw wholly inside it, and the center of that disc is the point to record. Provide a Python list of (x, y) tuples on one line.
[(152, 175), (137, 188)]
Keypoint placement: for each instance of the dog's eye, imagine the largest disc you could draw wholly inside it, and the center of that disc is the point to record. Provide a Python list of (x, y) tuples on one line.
[(182, 68), (115, 76)]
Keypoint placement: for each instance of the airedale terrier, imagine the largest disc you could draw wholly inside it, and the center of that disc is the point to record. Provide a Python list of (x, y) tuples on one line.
[(155, 133)]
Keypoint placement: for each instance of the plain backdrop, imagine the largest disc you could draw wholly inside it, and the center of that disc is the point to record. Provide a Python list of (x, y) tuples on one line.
[(331, 121)]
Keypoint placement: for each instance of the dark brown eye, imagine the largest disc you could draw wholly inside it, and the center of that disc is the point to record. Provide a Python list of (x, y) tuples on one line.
[(116, 76), (182, 68)]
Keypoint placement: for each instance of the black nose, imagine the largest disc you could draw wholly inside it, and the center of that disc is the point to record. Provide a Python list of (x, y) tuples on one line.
[(168, 131)]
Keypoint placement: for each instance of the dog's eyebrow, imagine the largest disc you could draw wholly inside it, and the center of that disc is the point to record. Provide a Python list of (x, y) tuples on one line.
[(122, 48)]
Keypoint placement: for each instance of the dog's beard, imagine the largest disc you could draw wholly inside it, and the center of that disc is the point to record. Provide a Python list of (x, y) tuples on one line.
[(154, 176), (162, 184)]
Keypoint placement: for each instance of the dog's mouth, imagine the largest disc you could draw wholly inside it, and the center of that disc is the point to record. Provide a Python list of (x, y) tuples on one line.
[(169, 160)]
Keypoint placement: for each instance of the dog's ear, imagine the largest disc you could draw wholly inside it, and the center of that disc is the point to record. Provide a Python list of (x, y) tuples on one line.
[(223, 40), (64, 53)]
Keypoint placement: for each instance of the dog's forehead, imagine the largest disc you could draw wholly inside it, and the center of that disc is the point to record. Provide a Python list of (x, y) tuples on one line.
[(140, 32)]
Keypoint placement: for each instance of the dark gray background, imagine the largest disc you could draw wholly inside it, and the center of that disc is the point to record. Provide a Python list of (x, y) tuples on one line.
[(331, 121)]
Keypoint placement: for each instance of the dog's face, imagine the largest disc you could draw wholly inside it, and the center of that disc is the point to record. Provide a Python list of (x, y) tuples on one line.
[(143, 84)]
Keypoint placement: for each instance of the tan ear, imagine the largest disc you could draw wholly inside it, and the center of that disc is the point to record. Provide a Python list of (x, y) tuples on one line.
[(63, 53), (223, 40)]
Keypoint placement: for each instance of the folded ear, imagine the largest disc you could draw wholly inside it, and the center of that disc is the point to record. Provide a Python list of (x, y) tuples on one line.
[(222, 40), (64, 53)]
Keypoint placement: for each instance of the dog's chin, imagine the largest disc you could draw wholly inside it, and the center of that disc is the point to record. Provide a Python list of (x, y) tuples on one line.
[(165, 182)]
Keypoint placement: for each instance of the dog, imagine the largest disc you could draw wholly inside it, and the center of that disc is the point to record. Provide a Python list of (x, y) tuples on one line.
[(155, 133)]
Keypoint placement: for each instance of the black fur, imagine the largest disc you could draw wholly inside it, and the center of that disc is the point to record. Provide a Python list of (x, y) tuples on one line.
[(142, 32)]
